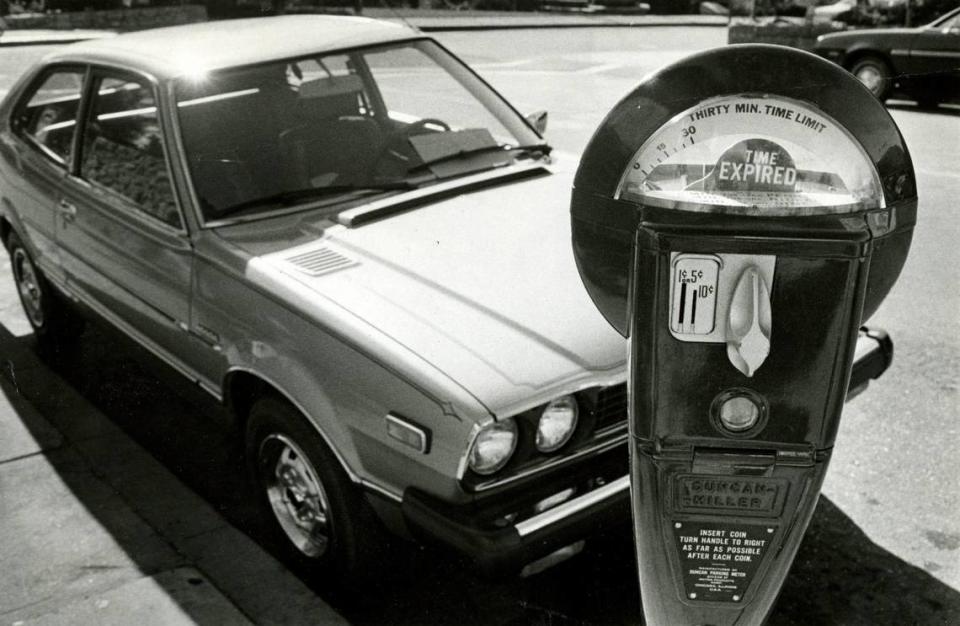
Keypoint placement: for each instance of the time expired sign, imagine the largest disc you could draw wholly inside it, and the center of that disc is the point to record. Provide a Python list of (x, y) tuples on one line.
[(753, 155)]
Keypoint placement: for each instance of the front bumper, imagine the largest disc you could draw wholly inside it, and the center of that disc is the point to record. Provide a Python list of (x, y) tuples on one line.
[(502, 533), (505, 532)]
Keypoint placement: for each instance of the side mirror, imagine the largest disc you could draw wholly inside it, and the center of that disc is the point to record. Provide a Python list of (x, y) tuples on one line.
[(539, 121)]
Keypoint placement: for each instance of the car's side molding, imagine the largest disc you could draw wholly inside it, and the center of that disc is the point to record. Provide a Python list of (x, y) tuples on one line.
[(148, 344)]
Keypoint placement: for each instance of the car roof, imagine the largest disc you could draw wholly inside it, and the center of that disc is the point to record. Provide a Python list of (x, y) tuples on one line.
[(175, 51)]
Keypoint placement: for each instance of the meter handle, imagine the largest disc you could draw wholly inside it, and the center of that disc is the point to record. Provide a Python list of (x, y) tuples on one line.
[(873, 356)]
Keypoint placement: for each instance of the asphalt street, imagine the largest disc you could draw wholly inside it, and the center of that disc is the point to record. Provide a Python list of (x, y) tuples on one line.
[(884, 545)]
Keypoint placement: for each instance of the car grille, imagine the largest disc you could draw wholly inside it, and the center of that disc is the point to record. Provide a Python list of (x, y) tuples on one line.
[(611, 407)]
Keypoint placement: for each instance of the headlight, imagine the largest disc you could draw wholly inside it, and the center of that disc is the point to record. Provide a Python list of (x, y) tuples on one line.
[(557, 423), (493, 446)]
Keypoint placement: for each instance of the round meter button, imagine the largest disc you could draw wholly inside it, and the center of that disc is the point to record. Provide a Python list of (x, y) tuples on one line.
[(749, 155)]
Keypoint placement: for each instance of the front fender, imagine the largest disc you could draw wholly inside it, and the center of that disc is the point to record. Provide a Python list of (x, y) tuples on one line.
[(344, 387)]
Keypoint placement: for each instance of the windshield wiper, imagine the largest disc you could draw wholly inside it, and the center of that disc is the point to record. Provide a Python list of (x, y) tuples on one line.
[(538, 148), (291, 197)]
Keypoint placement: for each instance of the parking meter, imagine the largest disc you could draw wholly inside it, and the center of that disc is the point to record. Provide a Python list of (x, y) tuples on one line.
[(737, 216)]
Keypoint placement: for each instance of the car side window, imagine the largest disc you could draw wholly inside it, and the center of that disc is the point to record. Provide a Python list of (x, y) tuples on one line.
[(47, 116), (123, 149)]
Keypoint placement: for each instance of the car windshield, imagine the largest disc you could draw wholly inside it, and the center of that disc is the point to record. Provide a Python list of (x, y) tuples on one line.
[(949, 21), (334, 128)]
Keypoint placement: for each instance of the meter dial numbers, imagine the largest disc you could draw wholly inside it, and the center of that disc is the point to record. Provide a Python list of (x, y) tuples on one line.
[(752, 155)]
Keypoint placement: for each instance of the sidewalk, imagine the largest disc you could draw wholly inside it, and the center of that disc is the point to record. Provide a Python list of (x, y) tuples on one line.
[(93, 530), (427, 21)]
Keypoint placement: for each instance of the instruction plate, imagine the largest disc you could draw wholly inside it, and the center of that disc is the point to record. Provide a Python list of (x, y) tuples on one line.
[(718, 560)]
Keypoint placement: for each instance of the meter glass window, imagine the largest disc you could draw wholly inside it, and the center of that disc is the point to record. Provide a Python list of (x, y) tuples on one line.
[(753, 155)]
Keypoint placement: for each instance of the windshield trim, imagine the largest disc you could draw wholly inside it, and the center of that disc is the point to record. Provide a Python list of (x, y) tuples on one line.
[(307, 204), (356, 216), (394, 198)]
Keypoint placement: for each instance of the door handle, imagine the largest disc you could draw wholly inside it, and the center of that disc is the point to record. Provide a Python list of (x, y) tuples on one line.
[(68, 210)]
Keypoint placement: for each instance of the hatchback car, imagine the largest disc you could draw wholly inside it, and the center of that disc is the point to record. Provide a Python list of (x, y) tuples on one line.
[(923, 62), (337, 229)]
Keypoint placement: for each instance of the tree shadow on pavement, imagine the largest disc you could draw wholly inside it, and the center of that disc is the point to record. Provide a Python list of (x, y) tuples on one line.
[(72, 545), (840, 576), (105, 397)]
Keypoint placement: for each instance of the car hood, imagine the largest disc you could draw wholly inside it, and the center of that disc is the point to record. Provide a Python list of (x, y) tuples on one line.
[(481, 286)]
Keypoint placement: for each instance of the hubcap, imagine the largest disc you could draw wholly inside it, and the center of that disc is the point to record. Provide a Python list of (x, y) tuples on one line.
[(295, 494), (871, 78), (28, 286)]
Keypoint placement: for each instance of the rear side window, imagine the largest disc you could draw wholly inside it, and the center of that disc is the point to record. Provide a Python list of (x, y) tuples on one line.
[(48, 116), (123, 148)]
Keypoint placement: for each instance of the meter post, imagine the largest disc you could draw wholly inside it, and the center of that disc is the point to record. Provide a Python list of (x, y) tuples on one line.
[(737, 216)]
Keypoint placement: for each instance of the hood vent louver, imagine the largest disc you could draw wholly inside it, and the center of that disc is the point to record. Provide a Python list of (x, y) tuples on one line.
[(320, 261)]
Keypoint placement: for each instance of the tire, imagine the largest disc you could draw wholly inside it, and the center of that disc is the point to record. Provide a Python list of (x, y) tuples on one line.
[(55, 325), (313, 515), (875, 75)]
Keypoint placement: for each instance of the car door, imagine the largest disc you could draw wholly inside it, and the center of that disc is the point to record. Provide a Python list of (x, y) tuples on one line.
[(934, 60), (124, 246), (37, 151)]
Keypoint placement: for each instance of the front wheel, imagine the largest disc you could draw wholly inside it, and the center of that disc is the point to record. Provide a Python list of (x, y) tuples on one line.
[(54, 323), (875, 75), (315, 516)]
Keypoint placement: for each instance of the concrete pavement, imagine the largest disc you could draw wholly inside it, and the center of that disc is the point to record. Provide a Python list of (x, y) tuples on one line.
[(94, 530)]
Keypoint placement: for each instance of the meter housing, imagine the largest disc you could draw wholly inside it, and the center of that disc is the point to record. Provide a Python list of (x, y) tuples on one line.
[(604, 220), (738, 216)]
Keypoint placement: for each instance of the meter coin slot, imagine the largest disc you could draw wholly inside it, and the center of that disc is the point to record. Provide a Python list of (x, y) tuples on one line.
[(694, 296), (703, 295)]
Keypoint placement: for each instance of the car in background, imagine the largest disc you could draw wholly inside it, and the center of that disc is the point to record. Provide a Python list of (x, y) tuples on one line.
[(923, 63), (338, 230)]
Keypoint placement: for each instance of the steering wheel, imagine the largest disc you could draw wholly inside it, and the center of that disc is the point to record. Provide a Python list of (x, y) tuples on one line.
[(417, 128), (394, 151)]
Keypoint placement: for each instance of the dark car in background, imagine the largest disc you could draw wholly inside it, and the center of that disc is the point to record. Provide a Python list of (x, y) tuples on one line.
[(922, 63)]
